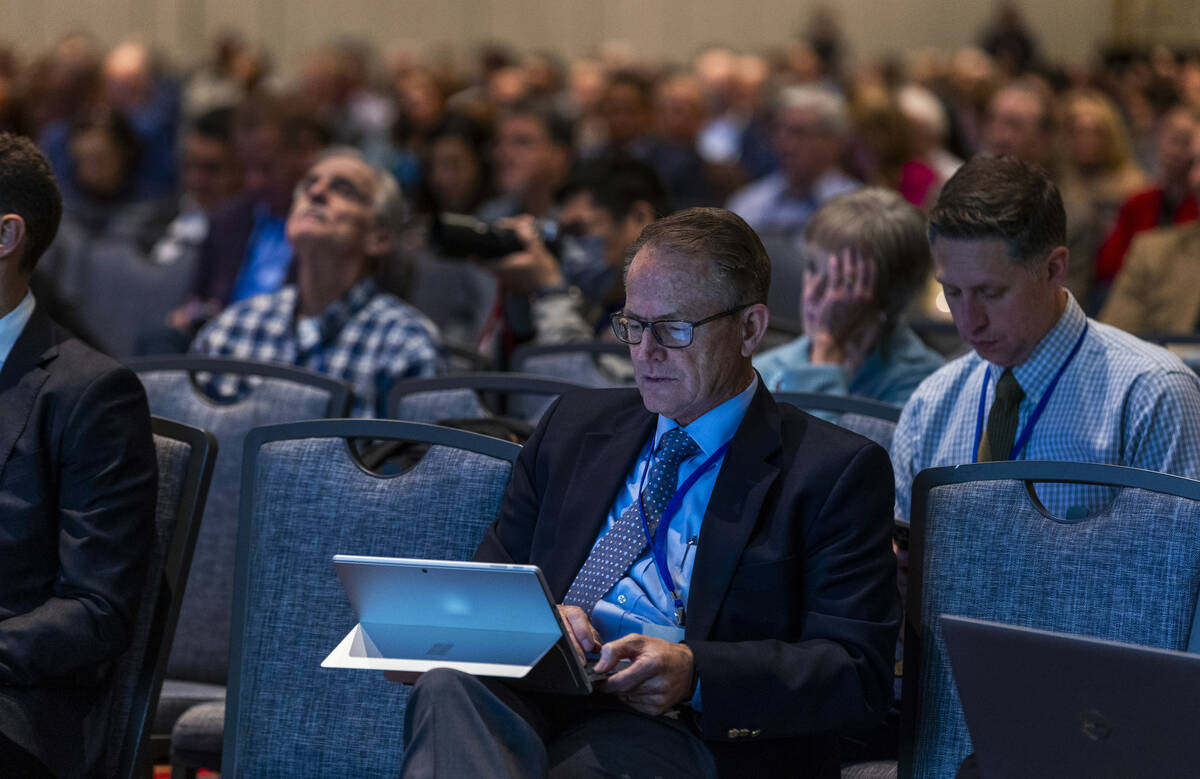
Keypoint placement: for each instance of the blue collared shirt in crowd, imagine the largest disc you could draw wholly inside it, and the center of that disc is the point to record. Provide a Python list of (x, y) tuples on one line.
[(369, 337), (1120, 401), (771, 206), (890, 373), (11, 325), (268, 257), (639, 603)]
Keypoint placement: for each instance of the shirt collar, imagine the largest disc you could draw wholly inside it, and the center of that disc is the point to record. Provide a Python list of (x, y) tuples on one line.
[(12, 323), (1036, 373), (717, 425), (335, 316)]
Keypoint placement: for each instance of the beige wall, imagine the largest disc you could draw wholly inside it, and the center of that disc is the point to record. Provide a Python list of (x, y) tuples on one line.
[(673, 27)]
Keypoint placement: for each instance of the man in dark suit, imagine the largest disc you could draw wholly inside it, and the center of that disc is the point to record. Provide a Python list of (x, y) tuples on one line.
[(759, 624), (78, 483)]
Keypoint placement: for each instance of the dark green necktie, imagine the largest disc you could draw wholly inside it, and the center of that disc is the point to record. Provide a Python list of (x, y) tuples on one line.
[(1002, 419)]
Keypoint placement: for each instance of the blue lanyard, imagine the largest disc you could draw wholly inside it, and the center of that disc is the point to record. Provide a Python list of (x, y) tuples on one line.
[(658, 543), (1023, 438)]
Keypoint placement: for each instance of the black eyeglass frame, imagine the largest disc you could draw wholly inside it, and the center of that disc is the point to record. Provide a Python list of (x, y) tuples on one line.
[(612, 320)]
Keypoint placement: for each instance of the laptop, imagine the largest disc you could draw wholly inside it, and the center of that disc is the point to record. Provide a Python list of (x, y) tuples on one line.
[(485, 619), (1043, 704)]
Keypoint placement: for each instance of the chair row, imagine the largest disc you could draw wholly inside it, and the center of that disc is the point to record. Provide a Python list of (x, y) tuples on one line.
[(198, 668)]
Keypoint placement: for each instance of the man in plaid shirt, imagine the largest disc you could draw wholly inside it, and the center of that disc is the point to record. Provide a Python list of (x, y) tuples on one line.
[(345, 217)]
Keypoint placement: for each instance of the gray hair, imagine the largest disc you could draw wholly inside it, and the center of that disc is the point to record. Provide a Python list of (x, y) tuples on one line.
[(829, 107), (883, 227)]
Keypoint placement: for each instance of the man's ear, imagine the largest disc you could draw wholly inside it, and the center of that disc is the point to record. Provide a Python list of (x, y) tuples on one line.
[(641, 214), (1057, 264), (754, 326), (379, 241), (12, 235)]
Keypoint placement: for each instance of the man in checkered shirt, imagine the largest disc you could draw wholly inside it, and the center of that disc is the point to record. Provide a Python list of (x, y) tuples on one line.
[(335, 319), (997, 236)]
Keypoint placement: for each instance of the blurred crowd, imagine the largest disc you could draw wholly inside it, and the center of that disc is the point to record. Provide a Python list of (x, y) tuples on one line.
[(177, 183)]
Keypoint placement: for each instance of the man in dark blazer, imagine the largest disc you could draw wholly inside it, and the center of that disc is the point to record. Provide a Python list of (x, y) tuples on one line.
[(787, 610), (78, 483)]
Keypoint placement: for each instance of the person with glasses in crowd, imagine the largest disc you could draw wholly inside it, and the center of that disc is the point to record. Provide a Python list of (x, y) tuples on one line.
[(735, 551), (335, 319)]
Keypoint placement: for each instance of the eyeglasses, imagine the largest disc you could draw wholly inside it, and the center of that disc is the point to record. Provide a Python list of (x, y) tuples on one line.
[(671, 333)]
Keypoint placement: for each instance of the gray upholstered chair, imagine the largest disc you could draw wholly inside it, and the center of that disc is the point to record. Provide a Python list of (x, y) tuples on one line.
[(457, 396), (306, 497), (594, 363), (867, 417), (198, 665), (185, 464), (984, 546)]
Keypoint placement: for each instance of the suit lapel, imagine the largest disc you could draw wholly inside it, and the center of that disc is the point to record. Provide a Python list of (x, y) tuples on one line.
[(22, 378), (608, 456), (733, 511)]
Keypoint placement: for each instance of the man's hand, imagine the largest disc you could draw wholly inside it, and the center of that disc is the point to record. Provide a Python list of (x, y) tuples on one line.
[(584, 637), (531, 270), (659, 676), (841, 316)]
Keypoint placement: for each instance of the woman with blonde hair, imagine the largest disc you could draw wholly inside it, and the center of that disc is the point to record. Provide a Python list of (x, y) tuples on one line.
[(1098, 173)]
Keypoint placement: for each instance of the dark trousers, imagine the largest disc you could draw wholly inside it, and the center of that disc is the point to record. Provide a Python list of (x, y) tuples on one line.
[(16, 762), (459, 725)]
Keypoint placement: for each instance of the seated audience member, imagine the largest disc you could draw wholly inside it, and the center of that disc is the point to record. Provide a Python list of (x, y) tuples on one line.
[(1043, 382), (211, 175), (866, 256), (1097, 175), (786, 637), (604, 205), (456, 295), (334, 319), (245, 252), (1170, 202), (530, 160), (810, 131), (1158, 289), (77, 500), (1019, 122)]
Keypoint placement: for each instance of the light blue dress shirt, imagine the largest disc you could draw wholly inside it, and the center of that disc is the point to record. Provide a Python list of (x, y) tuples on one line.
[(1121, 401), (268, 257), (771, 206), (11, 325), (639, 603), (889, 374)]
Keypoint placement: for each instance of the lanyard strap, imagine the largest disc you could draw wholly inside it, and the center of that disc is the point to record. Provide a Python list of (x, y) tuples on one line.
[(658, 542), (1023, 438)]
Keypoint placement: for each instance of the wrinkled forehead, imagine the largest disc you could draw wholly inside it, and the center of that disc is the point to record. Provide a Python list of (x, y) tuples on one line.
[(681, 281)]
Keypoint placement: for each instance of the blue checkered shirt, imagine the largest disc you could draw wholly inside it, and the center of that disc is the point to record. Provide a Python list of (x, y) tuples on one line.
[(369, 338), (1121, 401)]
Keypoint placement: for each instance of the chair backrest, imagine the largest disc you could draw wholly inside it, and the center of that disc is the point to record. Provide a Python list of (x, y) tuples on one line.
[(306, 498), (594, 363), (871, 418), (982, 545), (279, 394), (449, 397), (185, 467)]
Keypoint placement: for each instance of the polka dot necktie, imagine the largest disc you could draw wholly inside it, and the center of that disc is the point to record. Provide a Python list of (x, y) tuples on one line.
[(624, 542)]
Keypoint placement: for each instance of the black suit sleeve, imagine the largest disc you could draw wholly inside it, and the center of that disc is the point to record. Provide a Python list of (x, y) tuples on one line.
[(836, 675), (510, 537), (105, 503)]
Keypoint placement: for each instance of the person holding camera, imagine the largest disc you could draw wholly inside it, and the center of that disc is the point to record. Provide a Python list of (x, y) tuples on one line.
[(604, 205)]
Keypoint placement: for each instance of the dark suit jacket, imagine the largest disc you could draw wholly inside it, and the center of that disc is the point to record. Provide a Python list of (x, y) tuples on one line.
[(793, 610), (78, 483)]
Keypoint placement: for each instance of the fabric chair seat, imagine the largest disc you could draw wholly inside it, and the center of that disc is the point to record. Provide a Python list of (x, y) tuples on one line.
[(196, 736), (178, 696)]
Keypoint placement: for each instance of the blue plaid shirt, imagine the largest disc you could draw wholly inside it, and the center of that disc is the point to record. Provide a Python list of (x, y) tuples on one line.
[(368, 337), (1121, 401)]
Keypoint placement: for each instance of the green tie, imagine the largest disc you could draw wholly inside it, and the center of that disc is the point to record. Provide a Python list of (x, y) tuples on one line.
[(1002, 419)]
